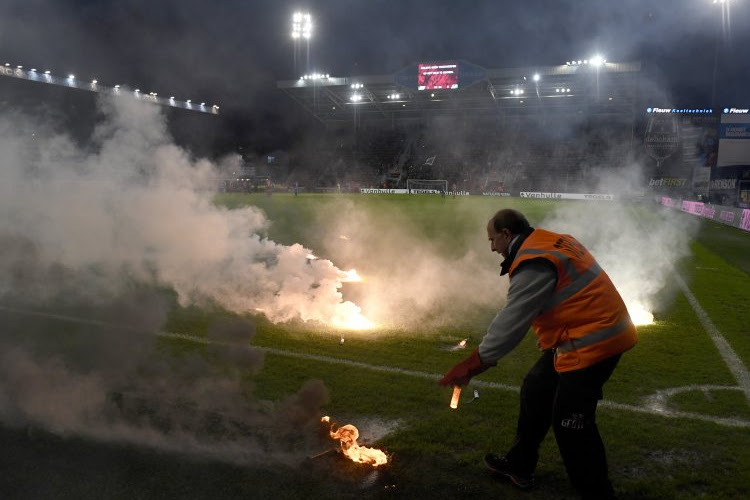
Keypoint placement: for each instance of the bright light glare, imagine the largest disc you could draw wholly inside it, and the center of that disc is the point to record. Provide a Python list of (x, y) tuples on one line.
[(597, 60), (301, 25), (351, 276), (536, 77), (639, 314), (355, 321)]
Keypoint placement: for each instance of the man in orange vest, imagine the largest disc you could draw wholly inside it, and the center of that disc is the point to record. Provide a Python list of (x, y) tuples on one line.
[(582, 328)]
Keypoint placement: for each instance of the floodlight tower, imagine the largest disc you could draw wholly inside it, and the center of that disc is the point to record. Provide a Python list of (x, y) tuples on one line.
[(301, 29), (296, 33)]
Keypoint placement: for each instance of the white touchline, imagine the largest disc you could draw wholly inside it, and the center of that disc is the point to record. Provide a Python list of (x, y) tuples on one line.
[(730, 422), (733, 362)]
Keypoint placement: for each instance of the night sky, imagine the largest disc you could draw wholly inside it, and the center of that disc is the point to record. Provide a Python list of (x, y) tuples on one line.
[(232, 52)]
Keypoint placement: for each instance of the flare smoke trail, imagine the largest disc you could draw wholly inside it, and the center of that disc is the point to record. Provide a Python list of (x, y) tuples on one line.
[(82, 232), (140, 207), (637, 247)]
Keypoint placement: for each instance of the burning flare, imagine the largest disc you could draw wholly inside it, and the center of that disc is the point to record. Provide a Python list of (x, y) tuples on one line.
[(456, 396), (349, 317), (639, 314), (347, 436), (351, 276)]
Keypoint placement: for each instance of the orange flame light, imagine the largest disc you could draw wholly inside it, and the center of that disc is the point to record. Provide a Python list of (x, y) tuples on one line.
[(347, 436), (351, 276), (456, 396)]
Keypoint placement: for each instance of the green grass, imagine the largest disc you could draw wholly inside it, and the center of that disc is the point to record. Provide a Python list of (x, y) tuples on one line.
[(437, 452)]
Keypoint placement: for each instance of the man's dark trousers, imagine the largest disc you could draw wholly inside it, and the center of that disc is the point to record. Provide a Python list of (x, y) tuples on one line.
[(566, 401)]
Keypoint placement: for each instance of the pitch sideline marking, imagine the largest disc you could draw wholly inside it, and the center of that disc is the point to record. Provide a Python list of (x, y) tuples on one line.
[(730, 422), (733, 362)]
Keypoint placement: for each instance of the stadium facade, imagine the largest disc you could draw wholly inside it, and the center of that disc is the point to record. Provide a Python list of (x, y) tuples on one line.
[(553, 128)]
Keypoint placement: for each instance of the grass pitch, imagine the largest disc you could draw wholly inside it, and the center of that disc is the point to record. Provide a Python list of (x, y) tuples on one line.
[(697, 446)]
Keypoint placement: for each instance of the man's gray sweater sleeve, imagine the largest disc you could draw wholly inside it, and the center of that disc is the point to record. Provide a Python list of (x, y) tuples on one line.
[(530, 289)]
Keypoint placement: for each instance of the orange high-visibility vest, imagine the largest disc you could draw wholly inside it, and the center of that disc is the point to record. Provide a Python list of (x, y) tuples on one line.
[(586, 320)]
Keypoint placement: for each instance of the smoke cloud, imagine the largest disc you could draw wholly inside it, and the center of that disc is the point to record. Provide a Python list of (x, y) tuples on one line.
[(638, 245), (410, 279), (137, 208), (90, 238)]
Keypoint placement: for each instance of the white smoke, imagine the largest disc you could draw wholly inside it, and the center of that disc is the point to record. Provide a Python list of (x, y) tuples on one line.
[(133, 206), (83, 230), (637, 244), (411, 278)]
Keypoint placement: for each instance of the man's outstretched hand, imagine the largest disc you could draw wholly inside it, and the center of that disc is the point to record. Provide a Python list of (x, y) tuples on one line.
[(465, 370)]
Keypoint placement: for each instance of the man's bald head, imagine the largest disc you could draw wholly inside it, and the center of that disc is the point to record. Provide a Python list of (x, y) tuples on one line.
[(510, 219)]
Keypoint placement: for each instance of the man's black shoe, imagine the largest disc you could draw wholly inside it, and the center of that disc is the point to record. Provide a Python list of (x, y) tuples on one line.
[(500, 465)]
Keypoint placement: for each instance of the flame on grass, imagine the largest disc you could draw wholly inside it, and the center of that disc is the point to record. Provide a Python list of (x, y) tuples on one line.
[(347, 436), (639, 314), (351, 318)]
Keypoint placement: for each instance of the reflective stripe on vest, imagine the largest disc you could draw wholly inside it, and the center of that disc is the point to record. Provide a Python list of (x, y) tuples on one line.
[(578, 281), (594, 337)]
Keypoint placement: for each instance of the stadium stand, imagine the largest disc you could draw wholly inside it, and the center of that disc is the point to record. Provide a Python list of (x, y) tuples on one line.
[(499, 129)]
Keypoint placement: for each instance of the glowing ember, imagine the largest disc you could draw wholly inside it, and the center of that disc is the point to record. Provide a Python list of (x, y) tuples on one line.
[(347, 436), (351, 276), (639, 314)]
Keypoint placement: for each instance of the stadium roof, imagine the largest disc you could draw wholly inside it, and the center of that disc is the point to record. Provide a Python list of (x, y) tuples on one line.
[(609, 88), (70, 81)]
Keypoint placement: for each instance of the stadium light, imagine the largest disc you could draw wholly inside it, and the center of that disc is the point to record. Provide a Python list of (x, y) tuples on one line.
[(597, 60), (71, 77), (296, 25), (307, 26), (301, 28), (536, 77)]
